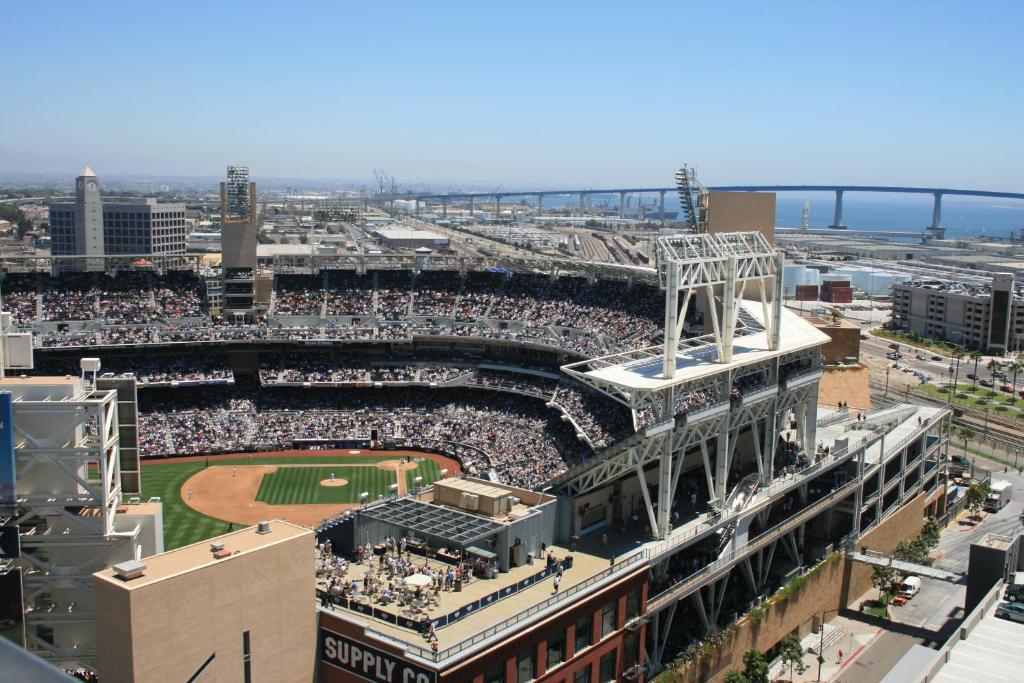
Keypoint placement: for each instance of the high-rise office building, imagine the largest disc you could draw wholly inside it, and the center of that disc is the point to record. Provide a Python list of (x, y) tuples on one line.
[(92, 227)]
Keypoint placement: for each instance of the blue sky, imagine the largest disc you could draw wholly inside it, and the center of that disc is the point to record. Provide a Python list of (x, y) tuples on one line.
[(916, 93)]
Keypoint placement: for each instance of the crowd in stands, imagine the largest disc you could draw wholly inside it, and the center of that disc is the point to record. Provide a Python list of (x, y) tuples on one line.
[(686, 400), (298, 295), (521, 442), (436, 292), (589, 318), (602, 420)]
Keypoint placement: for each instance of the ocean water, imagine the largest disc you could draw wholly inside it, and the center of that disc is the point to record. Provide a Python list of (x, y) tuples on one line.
[(995, 218), (962, 217)]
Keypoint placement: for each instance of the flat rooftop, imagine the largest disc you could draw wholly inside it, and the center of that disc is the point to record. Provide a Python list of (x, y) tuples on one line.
[(191, 557), (993, 651), (795, 334), (400, 233), (589, 560)]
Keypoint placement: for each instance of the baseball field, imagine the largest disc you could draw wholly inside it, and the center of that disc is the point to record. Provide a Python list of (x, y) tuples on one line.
[(202, 497)]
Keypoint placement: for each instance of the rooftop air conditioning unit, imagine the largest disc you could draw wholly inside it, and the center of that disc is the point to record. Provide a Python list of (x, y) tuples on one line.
[(263, 528), (126, 571), (216, 547)]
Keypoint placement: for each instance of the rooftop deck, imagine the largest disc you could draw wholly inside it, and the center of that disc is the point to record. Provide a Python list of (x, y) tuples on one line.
[(633, 371)]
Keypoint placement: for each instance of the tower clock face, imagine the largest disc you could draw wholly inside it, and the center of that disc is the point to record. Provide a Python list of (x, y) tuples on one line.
[(92, 184)]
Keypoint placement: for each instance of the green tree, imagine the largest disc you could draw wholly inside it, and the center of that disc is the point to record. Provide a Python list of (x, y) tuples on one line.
[(975, 356), (915, 550), (791, 652), (734, 676), (976, 496), (931, 532), (966, 433), (755, 668), (882, 578), (1015, 368), (994, 366)]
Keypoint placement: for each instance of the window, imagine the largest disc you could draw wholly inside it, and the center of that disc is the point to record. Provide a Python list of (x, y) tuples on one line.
[(525, 667), (582, 675), (609, 618), (496, 675), (246, 658), (556, 650), (584, 631), (608, 667), (633, 604)]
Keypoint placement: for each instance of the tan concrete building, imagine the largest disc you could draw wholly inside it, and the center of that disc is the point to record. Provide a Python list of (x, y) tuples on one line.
[(845, 339), (238, 607), (742, 212)]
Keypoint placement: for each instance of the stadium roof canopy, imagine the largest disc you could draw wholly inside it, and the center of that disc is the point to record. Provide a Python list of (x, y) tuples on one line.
[(453, 525)]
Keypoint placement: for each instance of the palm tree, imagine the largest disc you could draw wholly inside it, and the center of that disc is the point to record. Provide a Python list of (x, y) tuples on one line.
[(966, 433), (1015, 368), (993, 367), (975, 356), (958, 352)]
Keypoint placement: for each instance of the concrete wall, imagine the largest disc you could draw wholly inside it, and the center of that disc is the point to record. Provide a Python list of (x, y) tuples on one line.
[(238, 245), (844, 340), (742, 212), (838, 583), (166, 630), (905, 523)]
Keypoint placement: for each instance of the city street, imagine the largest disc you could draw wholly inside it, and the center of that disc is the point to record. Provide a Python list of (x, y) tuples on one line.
[(932, 614)]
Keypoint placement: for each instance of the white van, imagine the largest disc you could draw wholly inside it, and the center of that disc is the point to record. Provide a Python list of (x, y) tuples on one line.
[(910, 586)]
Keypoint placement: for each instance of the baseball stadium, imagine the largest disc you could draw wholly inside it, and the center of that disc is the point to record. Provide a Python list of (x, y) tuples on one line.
[(458, 469)]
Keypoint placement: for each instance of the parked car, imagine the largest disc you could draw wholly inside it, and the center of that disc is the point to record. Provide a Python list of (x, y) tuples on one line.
[(1014, 593), (971, 375), (936, 357), (987, 383), (920, 356), (1014, 611), (1007, 388)]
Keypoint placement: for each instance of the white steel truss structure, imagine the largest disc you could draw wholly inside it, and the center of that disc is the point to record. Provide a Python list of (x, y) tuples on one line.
[(702, 393), (68, 489)]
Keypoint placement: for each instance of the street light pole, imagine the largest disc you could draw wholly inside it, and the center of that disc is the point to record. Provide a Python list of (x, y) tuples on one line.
[(887, 369)]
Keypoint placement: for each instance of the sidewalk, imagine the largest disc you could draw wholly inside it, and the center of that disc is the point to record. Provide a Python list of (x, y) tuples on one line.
[(855, 637)]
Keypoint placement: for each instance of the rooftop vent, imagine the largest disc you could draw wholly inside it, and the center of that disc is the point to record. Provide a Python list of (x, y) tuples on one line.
[(263, 528), (216, 547), (126, 571)]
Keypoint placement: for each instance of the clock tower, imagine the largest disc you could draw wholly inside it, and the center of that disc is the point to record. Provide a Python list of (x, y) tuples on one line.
[(88, 216)]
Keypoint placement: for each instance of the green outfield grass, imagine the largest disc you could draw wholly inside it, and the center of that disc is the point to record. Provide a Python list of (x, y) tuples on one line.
[(184, 526)]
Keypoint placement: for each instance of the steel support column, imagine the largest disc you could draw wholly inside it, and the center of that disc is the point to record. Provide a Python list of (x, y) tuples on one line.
[(661, 206), (936, 225), (837, 221)]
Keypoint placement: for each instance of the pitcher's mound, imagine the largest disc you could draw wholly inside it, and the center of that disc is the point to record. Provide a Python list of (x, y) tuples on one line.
[(334, 482)]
